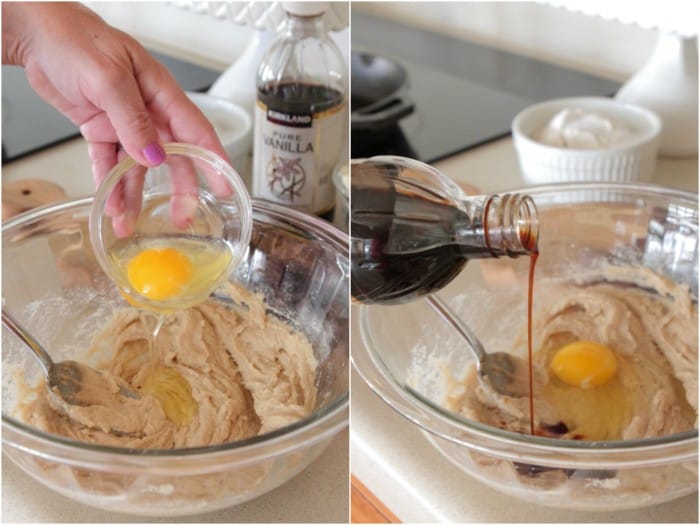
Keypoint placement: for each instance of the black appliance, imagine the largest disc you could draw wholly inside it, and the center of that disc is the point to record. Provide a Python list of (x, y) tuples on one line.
[(463, 94)]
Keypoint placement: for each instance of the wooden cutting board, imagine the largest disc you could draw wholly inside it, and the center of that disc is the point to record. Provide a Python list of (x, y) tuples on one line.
[(23, 195), (365, 507)]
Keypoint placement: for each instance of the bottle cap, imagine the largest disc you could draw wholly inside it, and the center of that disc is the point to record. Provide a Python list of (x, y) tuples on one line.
[(306, 8)]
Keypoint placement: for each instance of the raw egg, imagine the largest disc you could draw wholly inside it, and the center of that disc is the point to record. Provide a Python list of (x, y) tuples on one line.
[(173, 392), (168, 274), (159, 273), (586, 391), (584, 364)]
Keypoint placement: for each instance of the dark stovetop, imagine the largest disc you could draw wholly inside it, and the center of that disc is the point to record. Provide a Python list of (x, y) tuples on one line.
[(29, 124), (465, 94)]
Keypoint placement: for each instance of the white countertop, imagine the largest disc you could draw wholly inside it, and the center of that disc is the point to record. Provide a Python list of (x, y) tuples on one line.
[(394, 460)]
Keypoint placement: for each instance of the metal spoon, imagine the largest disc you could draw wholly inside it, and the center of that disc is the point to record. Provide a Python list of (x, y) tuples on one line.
[(505, 373), (67, 382)]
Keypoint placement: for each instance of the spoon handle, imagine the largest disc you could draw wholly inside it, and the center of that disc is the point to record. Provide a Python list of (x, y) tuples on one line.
[(16, 328), (453, 319)]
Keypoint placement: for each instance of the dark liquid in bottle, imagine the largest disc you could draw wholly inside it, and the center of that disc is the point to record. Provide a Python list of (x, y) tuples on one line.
[(297, 98), (386, 278), (402, 242)]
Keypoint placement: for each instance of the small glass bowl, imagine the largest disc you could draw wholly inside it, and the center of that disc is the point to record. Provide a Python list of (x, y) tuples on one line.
[(218, 226)]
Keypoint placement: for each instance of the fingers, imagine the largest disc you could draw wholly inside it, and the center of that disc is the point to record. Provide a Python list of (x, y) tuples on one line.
[(183, 180), (103, 156), (206, 138), (137, 109), (174, 110), (200, 132), (120, 97), (123, 204), (132, 194)]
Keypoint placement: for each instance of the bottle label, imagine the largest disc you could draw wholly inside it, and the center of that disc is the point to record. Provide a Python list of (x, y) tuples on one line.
[(295, 154)]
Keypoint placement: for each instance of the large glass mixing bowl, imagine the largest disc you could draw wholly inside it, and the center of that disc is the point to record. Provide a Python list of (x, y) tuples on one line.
[(581, 225), (53, 284)]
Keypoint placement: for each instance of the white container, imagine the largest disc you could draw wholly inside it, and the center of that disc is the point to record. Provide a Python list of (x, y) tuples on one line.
[(233, 126), (633, 160)]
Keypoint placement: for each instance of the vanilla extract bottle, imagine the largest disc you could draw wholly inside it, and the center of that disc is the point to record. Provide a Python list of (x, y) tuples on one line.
[(300, 114), (412, 229)]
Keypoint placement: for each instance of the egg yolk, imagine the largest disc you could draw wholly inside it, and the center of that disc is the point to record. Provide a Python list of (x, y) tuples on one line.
[(159, 274), (584, 364)]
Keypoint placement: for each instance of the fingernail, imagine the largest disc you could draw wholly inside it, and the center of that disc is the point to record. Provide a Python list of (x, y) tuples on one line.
[(154, 153)]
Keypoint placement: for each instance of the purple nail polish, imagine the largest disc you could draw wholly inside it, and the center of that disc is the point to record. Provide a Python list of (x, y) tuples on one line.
[(154, 153)]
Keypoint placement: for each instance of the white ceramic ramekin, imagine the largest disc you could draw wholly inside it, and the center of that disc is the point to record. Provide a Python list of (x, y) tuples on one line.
[(634, 160)]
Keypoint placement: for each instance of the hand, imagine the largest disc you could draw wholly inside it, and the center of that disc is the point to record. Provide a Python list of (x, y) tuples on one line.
[(115, 91)]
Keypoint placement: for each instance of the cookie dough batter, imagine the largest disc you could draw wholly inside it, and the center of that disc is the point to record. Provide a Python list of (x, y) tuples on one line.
[(649, 322), (215, 375)]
